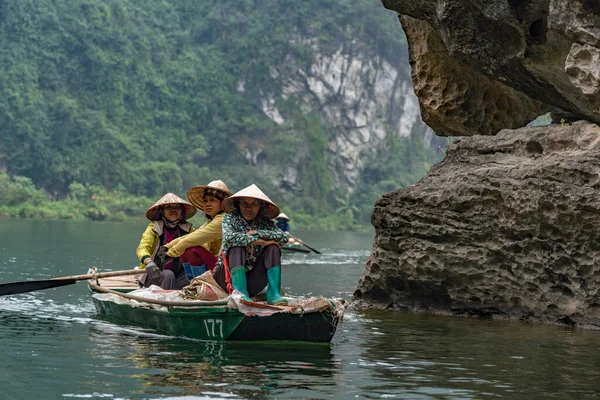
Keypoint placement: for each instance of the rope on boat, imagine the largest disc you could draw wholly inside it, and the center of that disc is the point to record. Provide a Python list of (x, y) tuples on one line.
[(337, 319), (182, 303)]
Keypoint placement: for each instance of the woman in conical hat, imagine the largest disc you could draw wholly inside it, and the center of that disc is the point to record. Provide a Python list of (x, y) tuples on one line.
[(168, 218), (198, 251), (282, 222), (251, 254)]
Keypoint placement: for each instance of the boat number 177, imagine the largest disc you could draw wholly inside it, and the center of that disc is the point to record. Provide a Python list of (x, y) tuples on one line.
[(214, 328)]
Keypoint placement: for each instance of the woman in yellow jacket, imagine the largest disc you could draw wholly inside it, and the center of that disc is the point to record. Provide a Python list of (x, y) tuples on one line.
[(198, 251), (168, 218)]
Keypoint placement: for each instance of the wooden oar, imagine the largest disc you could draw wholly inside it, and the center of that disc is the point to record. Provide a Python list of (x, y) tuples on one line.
[(32, 286), (304, 244)]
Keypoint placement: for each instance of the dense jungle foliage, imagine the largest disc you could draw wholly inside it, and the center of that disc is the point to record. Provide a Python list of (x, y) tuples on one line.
[(105, 105)]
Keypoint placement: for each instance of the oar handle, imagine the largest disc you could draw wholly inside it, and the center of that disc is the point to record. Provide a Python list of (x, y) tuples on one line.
[(102, 275)]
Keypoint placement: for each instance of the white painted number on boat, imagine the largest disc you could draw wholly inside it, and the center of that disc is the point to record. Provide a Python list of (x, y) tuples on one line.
[(210, 327)]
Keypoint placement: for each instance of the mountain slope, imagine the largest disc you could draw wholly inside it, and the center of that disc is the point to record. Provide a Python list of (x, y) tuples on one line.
[(298, 97)]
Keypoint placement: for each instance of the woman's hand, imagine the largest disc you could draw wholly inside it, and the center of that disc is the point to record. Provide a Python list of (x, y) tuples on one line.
[(265, 243), (152, 269), (251, 232), (162, 258)]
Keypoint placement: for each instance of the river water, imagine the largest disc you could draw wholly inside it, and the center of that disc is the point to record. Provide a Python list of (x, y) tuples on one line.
[(54, 346)]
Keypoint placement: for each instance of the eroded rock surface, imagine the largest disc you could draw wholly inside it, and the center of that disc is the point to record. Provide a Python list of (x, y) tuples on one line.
[(501, 47), (583, 68), (505, 226), (456, 97)]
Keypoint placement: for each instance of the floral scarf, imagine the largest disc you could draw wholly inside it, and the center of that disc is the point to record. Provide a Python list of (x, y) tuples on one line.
[(234, 235)]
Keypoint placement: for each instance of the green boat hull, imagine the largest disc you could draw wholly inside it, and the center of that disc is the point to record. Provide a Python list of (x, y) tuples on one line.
[(223, 323)]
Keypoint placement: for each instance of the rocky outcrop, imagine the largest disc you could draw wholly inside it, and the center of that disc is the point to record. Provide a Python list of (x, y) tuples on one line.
[(583, 68), (457, 100), (501, 61), (360, 96), (505, 226)]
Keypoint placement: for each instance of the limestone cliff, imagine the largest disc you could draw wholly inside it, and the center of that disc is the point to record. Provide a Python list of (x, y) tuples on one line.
[(360, 96), (506, 225), (479, 67)]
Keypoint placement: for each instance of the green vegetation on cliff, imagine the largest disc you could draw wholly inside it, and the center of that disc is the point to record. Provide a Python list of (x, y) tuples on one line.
[(107, 104)]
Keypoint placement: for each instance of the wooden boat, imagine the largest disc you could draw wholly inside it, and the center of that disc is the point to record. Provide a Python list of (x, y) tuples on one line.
[(214, 320)]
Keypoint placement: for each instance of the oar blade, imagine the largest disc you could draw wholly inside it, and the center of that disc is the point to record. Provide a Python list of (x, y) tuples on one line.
[(307, 246), (295, 249), (32, 286), (315, 250)]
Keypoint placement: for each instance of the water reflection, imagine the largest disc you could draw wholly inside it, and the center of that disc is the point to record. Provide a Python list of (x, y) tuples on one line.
[(424, 355), (245, 369)]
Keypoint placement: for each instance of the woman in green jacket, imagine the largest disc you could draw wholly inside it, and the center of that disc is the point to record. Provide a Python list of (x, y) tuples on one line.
[(168, 218), (251, 249)]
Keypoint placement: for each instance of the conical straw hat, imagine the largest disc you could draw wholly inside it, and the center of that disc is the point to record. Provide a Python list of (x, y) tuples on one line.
[(282, 215), (252, 191), (196, 194), (171, 198)]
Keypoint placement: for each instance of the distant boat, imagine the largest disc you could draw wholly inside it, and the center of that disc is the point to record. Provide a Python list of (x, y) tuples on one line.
[(308, 320), (296, 247)]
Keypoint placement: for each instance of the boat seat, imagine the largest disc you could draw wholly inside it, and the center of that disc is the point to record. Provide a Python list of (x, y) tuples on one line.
[(119, 282)]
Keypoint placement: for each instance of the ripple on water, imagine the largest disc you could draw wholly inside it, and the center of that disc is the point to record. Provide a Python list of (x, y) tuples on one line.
[(329, 257)]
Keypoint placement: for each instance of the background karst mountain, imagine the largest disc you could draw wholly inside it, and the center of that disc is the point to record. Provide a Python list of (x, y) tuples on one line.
[(313, 102)]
